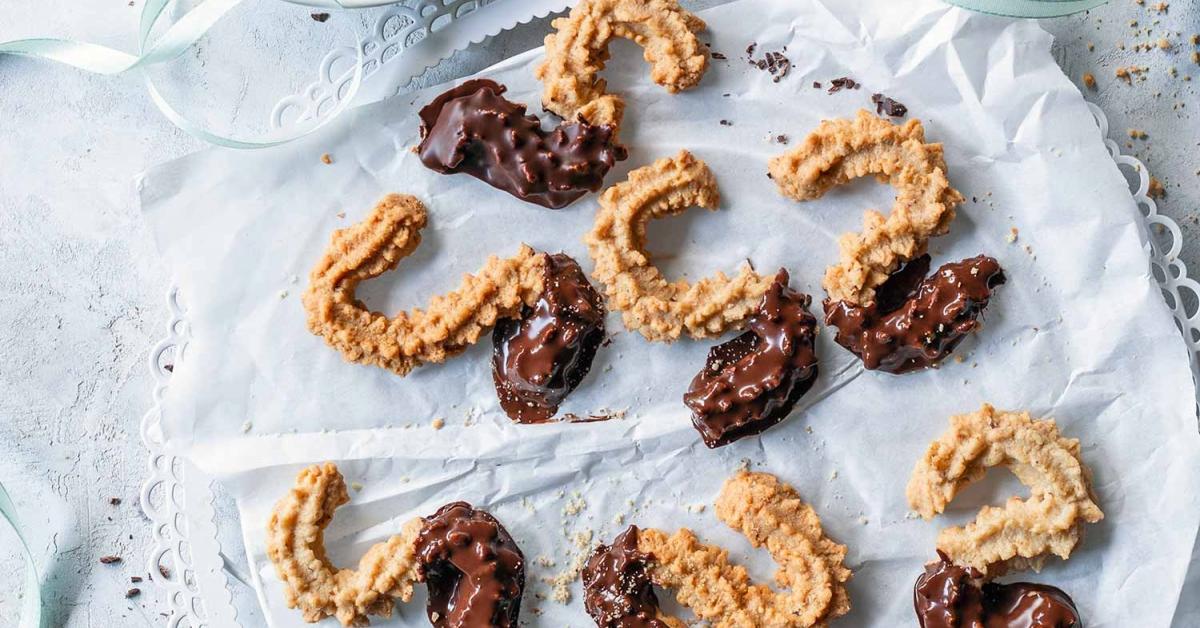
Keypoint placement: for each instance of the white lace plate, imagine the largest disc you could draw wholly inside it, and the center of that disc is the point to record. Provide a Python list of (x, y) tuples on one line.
[(405, 41)]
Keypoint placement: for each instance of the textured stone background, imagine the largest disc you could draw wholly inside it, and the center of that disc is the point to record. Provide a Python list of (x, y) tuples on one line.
[(82, 293)]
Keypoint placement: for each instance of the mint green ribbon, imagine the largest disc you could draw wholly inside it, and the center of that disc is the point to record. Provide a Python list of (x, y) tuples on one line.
[(1029, 8), (173, 43), (31, 613)]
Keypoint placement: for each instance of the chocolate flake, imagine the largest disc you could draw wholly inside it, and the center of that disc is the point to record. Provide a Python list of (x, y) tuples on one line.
[(949, 596), (474, 571), (752, 382), (816, 84), (320, 17), (717, 55), (135, 579), (539, 359), (473, 129), (110, 560), (617, 591), (845, 82), (115, 501), (916, 321), (726, 123), (775, 63), (888, 106), (133, 592)]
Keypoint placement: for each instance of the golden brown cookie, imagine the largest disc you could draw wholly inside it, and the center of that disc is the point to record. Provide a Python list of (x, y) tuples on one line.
[(449, 324), (841, 150), (769, 513), (296, 546), (1023, 532), (649, 304), (578, 49)]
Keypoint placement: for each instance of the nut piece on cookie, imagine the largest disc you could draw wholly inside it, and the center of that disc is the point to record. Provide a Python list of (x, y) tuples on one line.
[(649, 304), (1022, 533), (769, 513), (578, 49)]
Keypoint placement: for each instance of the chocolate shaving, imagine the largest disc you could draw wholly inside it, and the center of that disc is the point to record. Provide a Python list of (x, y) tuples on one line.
[(752, 382), (775, 63), (473, 569), (845, 82), (133, 592), (539, 359), (916, 321), (110, 560), (320, 17), (717, 55), (474, 130), (888, 106)]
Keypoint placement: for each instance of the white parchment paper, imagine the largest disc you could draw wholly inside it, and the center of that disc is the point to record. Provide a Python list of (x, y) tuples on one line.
[(1079, 332)]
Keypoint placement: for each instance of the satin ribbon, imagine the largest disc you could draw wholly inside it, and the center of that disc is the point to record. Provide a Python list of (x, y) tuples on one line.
[(31, 611), (173, 43), (1029, 8)]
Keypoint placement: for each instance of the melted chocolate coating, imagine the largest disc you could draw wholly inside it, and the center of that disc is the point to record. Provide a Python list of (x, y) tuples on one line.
[(474, 570), (616, 586), (916, 321), (473, 129), (752, 382), (540, 358), (947, 596)]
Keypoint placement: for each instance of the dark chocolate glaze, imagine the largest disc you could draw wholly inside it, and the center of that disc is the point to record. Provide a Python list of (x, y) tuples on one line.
[(617, 591), (752, 382), (949, 596), (473, 129), (540, 358), (473, 569), (916, 321)]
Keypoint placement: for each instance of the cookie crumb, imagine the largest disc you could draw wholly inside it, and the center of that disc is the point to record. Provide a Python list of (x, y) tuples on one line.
[(1012, 235), (438, 423), (246, 426), (326, 159), (1156, 188), (356, 486), (1089, 80)]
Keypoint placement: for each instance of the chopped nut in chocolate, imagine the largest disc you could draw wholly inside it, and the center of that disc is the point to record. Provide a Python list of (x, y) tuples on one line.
[(617, 591), (473, 569), (752, 382), (950, 596), (473, 129), (538, 359), (916, 321)]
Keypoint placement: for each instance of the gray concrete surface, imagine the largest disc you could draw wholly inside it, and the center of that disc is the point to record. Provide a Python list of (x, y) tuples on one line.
[(81, 292)]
